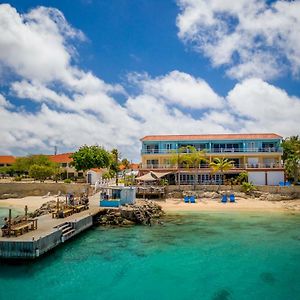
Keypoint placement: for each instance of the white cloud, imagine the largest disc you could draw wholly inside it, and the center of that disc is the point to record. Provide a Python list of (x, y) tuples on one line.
[(4, 103), (180, 88), (250, 37), (74, 107), (265, 107)]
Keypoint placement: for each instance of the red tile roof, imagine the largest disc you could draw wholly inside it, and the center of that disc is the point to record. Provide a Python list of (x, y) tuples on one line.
[(134, 166), (61, 158), (97, 170), (7, 159), (204, 137)]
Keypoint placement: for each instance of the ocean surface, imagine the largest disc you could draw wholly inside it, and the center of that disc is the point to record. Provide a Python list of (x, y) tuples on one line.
[(216, 256), (4, 213)]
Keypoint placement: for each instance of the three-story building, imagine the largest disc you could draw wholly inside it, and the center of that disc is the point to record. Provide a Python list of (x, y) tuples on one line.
[(257, 154)]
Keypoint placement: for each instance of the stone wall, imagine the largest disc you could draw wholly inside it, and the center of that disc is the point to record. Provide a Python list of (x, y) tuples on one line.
[(20, 190), (283, 190)]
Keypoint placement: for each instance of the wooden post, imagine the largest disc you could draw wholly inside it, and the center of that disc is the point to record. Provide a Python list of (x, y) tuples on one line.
[(26, 212), (9, 221), (57, 204)]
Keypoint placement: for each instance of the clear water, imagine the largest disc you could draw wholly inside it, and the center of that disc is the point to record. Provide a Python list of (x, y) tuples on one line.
[(213, 256), (4, 213)]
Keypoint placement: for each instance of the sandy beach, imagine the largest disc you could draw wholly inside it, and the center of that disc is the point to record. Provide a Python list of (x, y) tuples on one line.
[(241, 204), (172, 205), (35, 202)]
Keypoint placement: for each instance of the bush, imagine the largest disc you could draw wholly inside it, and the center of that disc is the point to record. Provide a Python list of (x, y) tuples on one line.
[(67, 180), (41, 172), (18, 178), (248, 187)]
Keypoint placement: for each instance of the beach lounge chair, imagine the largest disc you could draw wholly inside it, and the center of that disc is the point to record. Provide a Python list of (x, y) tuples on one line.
[(186, 199), (231, 198), (192, 199), (224, 199), (281, 183)]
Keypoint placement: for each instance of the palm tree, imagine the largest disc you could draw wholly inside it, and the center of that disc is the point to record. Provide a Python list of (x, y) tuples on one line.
[(188, 156), (221, 165)]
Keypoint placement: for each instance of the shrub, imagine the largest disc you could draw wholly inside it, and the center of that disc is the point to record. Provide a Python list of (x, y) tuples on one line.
[(248, 187), (67, 180), (18, 178)]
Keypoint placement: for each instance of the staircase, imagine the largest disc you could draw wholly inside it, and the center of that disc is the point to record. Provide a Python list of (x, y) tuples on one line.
[(67, 230)]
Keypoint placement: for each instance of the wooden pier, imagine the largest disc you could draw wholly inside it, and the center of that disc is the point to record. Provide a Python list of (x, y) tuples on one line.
[(50, 233)]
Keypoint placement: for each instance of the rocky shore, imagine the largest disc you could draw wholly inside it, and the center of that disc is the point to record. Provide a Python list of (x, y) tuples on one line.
[(143, 212)]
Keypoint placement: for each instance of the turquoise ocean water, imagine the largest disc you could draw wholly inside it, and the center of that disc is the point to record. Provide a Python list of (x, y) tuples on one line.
[(4, 213), (217, 256)]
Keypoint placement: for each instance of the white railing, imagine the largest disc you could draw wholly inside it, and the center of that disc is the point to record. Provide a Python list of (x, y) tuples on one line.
[(217, 150), (206, 166)]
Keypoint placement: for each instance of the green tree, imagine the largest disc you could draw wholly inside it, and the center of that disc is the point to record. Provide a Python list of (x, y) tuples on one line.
[(23, 164), (292, 166), (126, 163), (291, 157), (221, 165), (7, 170), (291, 146), (115, 164), (39, 172), (88, 157)]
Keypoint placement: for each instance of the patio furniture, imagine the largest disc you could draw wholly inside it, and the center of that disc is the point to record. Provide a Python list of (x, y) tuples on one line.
[(224, 199), (232, 198)]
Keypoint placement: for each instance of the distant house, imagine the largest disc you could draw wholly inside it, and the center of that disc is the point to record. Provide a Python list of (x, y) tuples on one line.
[(65, 161), (94, 175), (7, 160)]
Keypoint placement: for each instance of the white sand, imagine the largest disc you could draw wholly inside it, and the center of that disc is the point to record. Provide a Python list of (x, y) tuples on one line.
[(173, 205), (34, 202)]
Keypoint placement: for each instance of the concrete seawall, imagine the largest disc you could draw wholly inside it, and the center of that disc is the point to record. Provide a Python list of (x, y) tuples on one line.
[(283, 190), (20, 189)]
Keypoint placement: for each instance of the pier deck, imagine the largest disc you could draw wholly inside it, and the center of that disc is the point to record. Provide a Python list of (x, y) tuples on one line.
[(49, 234)]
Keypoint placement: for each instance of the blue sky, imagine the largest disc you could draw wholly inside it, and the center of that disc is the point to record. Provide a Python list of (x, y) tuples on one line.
[(110, 72)]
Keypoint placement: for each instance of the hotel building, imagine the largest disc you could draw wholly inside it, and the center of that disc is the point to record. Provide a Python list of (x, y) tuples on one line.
[(257, 154)]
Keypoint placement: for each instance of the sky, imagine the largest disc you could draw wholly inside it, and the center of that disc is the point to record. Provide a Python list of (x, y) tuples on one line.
[(105, 72)]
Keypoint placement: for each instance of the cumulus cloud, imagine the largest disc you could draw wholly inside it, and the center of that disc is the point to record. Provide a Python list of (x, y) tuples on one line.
[(252, 38), (265, 106), (179, 88), (73, 107)]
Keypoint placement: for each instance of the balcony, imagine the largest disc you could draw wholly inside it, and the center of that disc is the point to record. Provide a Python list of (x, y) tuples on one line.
[(218, 150), (206, 166)]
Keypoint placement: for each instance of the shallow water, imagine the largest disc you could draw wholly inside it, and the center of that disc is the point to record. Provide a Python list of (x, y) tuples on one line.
[(217, 256), (4, 213)]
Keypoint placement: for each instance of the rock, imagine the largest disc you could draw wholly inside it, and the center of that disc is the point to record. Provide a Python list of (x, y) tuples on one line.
[(141, 213)]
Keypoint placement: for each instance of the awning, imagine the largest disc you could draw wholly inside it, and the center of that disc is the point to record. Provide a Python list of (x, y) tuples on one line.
[(152, 176)]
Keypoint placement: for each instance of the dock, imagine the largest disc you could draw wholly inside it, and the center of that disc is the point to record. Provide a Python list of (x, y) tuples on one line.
[(49, 234)]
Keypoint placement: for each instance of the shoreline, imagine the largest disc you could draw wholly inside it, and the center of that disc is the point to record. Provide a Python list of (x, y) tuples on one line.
[(241, 205), (171, 205)]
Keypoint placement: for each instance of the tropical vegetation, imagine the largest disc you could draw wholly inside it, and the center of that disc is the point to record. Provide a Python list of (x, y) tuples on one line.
[(291, 157), (221, 165)]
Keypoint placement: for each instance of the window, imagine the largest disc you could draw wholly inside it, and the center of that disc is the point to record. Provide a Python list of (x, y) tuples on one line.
[(152, 148), (64, 165), (152, 163)]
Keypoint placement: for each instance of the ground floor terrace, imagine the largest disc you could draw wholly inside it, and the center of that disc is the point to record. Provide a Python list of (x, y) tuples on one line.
[(204, 176)]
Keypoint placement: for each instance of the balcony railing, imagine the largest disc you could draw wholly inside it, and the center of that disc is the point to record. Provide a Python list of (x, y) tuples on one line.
[(206, 166), (217, 150)]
